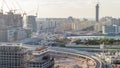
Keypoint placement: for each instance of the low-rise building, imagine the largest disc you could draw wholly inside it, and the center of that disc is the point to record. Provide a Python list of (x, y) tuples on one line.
[(41, 59), (111, 29)]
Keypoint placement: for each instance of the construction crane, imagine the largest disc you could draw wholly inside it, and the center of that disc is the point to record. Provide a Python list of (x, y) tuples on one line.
[(15, 4), (8, 6), (37, 10), (4, 3)]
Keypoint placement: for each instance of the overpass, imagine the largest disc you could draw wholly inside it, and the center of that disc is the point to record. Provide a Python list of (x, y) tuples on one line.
[(74, 54)]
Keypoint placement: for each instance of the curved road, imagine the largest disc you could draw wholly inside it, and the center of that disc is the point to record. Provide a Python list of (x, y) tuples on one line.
[(72, 52)]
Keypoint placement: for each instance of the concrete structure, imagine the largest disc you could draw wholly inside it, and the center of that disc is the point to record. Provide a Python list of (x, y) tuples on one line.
[(97, 13), (12, 56), (13, 20), (31, 23), (15, 55), (41, 63), (11, 28), (40, 59), (74, 54)]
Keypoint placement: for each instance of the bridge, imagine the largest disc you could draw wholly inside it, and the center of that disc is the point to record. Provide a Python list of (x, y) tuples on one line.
[(74, 54)]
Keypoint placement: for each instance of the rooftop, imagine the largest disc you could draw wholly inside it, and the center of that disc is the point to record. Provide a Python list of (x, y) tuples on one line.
[(11, 44)]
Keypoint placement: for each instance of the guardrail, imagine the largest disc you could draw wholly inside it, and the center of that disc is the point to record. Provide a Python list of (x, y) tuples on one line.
[(11, 44), (73, 54)]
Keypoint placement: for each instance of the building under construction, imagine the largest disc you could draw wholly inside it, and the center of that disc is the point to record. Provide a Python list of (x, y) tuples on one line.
[(41, 59), (15, 55), (12, 56)]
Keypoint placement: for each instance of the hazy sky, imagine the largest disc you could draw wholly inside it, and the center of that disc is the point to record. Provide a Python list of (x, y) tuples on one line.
[(65, 8)]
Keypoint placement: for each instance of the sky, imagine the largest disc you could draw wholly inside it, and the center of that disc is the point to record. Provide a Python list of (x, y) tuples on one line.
[(63, 8)]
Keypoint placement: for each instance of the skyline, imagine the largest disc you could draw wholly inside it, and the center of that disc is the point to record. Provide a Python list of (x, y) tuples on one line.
[(65, 8)]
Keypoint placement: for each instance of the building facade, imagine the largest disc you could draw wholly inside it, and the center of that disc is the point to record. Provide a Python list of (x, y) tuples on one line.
[(11, 28), (111, 29), (16, 55), (41, 59), (12, 56), (31, 23)]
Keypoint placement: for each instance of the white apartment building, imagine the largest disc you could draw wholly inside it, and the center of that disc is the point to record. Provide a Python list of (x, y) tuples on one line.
[(111, 29)]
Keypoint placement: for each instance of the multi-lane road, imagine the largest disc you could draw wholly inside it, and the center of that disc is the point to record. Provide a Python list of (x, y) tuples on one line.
[(71, 52)]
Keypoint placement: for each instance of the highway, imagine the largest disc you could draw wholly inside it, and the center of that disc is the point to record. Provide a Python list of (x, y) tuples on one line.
[(64, 52), (74, 54)]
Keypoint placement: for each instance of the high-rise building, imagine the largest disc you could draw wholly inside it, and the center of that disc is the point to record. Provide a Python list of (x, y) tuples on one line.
[(11, 27), (31, 23), (97, 13)]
